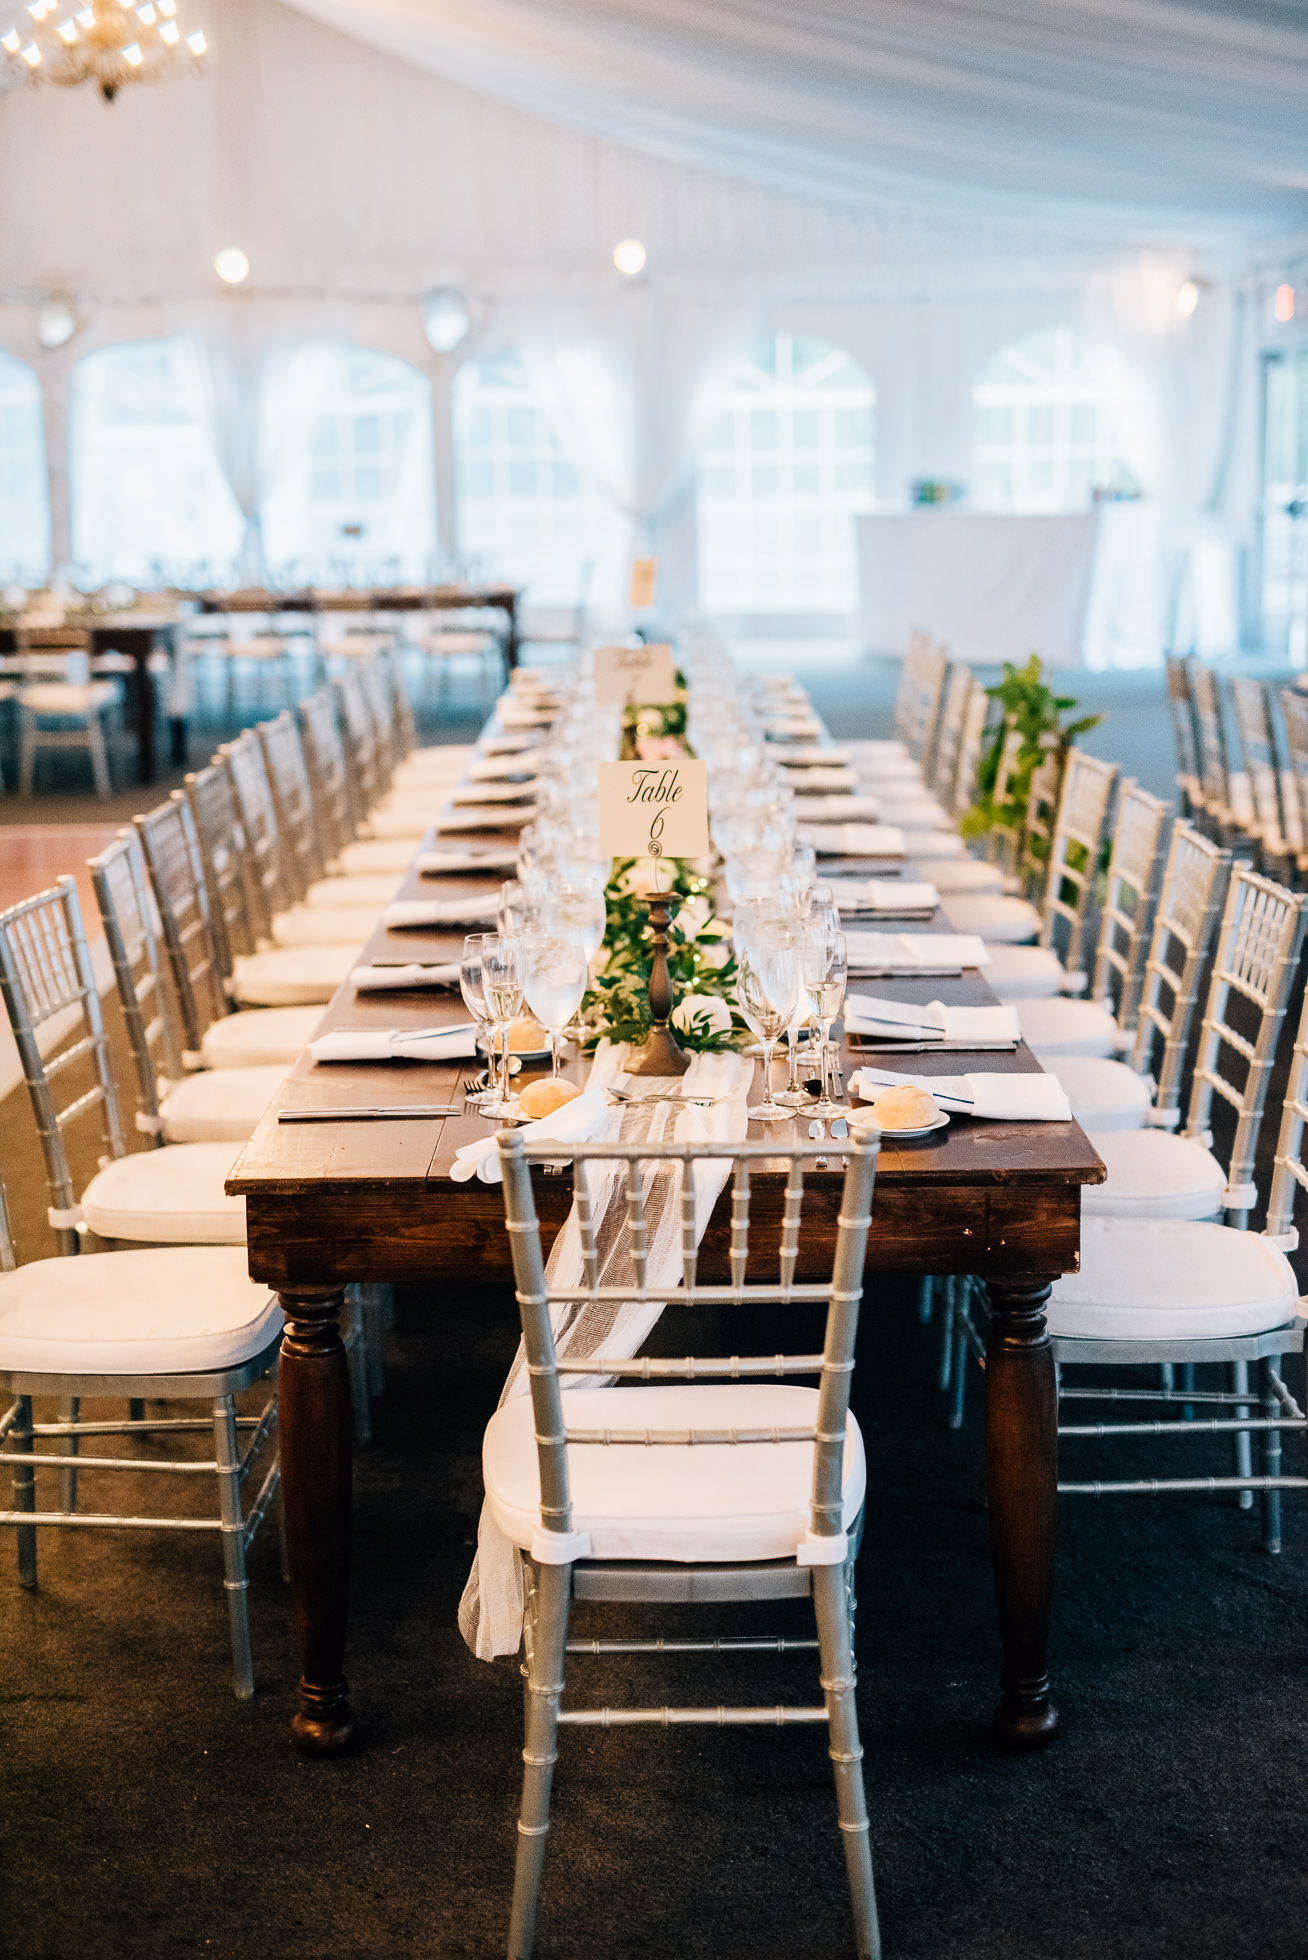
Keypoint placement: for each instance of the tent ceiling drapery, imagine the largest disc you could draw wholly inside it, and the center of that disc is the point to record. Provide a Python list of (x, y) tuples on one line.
[(1148, 117)]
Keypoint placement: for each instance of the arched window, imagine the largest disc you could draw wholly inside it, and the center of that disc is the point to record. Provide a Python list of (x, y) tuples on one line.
[(356, 499), (149, 501), (781, 478), (1043, 428), (24, 490), (527, 511)]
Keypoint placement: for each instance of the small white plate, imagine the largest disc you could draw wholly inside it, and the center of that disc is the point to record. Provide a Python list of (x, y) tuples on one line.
[(918, 1130)]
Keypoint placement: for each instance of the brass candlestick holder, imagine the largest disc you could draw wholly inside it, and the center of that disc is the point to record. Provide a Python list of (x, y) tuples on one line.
[(659, 1053)]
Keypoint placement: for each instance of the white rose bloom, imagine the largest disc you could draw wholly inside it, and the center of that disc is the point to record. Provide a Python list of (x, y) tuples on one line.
[(714, 953), (706, 1013), (694, 916)]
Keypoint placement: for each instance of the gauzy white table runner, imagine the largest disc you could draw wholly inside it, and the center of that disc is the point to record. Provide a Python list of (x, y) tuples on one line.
[(490, 1612)]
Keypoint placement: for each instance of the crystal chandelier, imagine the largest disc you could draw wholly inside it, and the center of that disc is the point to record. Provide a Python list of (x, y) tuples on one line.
[(107, 42)]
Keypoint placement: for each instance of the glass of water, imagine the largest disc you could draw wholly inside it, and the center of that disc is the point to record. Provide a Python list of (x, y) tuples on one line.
[(555, 971)]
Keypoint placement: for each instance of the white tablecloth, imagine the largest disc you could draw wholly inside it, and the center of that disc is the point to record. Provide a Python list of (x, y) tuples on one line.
[(1087, 589)]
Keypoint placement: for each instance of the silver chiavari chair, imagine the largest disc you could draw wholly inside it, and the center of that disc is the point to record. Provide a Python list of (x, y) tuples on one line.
[(960, 793), (1071, 865), (563, 1467), (1227, 803), (1294, 719), (959, 685), (1181, 710), (182, 1323), (1252, 701), (294, 804), (329, 773)]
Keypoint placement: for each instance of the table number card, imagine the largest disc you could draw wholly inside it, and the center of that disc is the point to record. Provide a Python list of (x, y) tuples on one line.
[(640, 676), (654, 809), (644, 580)]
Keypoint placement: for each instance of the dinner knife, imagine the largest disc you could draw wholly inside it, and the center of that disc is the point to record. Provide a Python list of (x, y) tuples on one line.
[(368, 1113)]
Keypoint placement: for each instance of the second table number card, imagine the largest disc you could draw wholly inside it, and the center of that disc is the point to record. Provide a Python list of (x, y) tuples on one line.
[(654, 809), (641, 676)]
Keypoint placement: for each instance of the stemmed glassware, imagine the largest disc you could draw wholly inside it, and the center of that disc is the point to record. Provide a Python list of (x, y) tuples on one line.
[(501, 984), (767, 988), (474, 999), (519, 909), (823, 966), (555, 971)]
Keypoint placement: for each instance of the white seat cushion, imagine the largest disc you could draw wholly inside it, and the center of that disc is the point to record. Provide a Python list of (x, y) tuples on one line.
[(928, 846), (372, 854), (172, 1196), (179, 1310), (265, 1035), (1154, 1174), (293, 976), (1104, 1095), (65, 698), (1008, 921), (1166, 1279), (1068, 1027), (703, 1501), (221, 1105), (1017, 973), (375, 888), (966, 875), (322, 925)]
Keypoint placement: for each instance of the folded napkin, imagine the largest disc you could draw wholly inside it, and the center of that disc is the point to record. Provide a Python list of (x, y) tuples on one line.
[(437, 864), (481, 792), (915, 952), (575, 1122), (855, 840), (474, 910), (884, 895), (783, 728), (835, 809), (397, 1044), (500, 768), (398, 979), (902, 1020), (508, 744), (999, 1098), (514, 716), (506, 816), (809, 778), (802, 755)]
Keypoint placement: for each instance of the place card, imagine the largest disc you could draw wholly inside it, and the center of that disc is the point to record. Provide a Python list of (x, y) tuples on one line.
[(654, 809), (644, 580), (642, 676)]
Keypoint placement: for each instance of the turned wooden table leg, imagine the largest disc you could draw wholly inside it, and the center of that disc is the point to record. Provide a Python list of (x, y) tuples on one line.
[(314, 1402), (1022, 1485)]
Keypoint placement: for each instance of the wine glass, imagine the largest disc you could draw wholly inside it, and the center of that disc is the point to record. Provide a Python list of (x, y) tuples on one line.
[(519, 909), (824, 966), (578, 908), (502, 985), (555, 972), (474, 999), (767, 988)]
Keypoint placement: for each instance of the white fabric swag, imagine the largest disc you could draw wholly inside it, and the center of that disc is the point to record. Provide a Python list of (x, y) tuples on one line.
[(490, 1612)]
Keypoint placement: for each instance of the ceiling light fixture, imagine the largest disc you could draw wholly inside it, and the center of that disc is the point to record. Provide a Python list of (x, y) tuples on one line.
[(232, 266), (629, 257), (445, 318), (107, 42)]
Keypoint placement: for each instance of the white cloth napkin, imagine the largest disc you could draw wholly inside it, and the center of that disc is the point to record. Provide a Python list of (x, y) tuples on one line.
[(789, 727), (999, 1098), (508, 744), (855, 840), (915, 952), (490, 1612), (803, 755), (500, 768), (396, 1044), (576, 1122), (835, 809), (439, 864), (870, 1014), (514, 716), (804, 780), (483, 792), (884, 895), (508, 816), (398, 979), (474, 910)]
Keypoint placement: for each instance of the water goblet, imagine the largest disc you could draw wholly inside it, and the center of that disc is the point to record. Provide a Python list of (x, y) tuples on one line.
[(502, 986), (767, 986), (555, 973), (824, 966), (474, 999)]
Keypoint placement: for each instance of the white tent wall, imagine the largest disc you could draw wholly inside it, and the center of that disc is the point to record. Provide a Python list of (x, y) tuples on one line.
[(355, 180)]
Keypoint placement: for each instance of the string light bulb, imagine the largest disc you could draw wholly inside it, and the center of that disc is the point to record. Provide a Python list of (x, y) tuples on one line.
[(232, 266), (629, 257)]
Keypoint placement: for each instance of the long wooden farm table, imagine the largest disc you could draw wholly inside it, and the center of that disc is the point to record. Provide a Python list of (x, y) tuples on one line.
[(329, 1204)]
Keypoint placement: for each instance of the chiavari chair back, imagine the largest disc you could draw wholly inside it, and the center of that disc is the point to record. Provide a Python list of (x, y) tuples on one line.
[(971, 743), (359, 738), (1252, 701), (1185, 737), (329, 772), (293, 800), (268, 870), (1226, 799), (198, 962), (1294, 719), (1189, 907), (133, 932), (710, 1441), (958, 690), (238, 909), (1134, 872), (1072, 863)]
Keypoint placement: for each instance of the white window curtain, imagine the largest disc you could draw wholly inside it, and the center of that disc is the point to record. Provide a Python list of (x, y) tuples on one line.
[(24, 502), (634, 388)]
